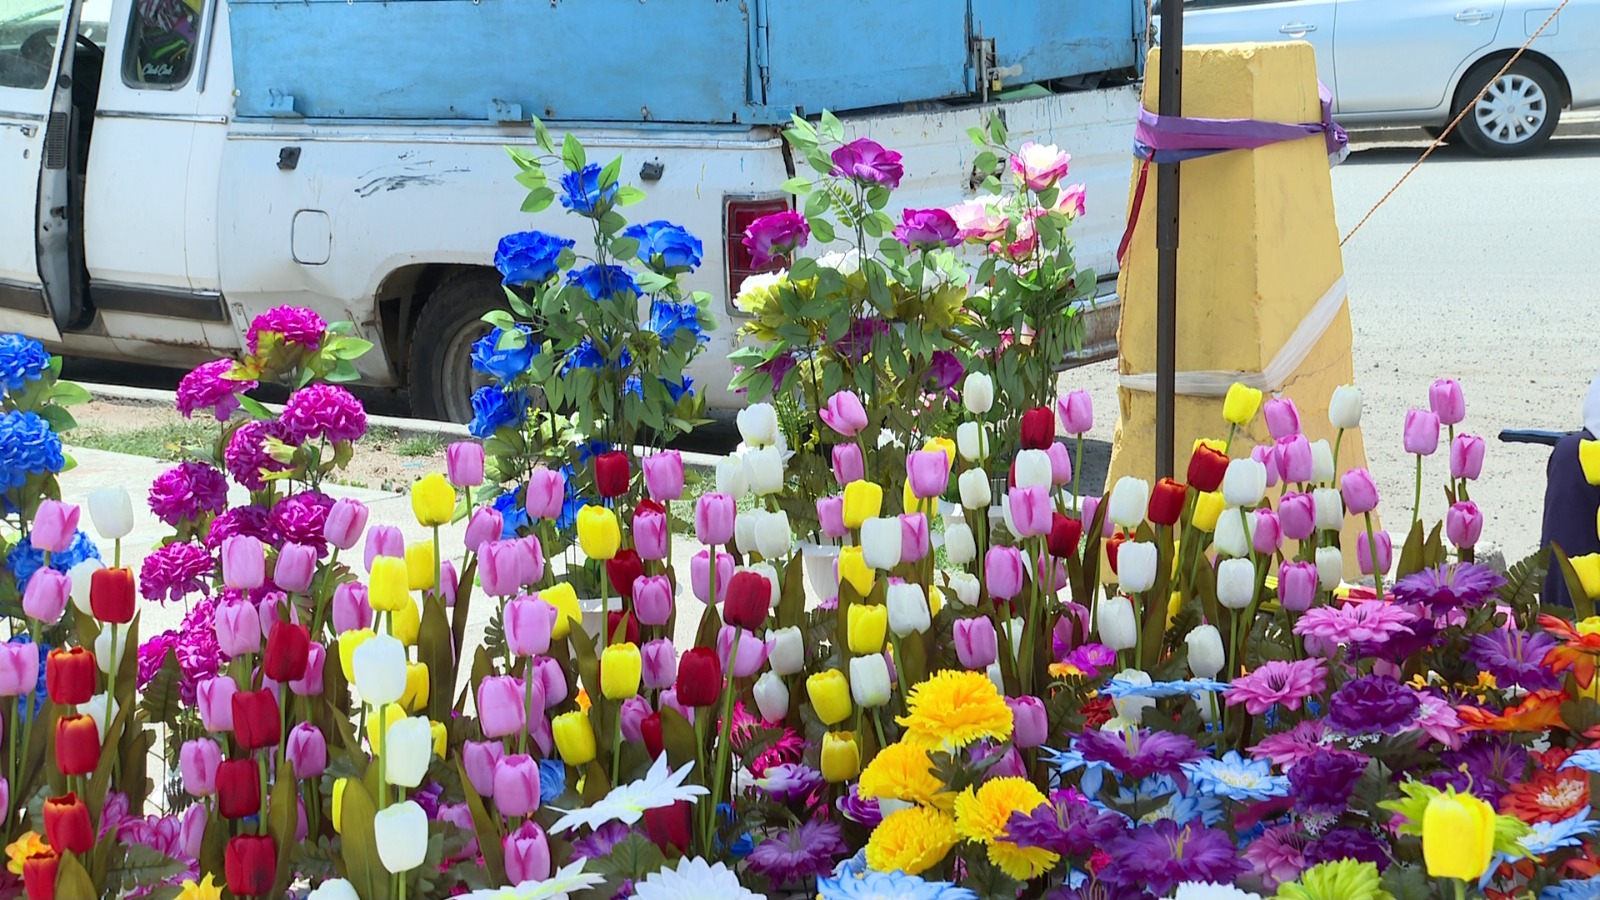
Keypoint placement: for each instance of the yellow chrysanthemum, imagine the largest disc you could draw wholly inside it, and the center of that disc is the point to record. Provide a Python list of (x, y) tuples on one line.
[(981, 816), (206, 889), (1064, 670), (954, 709), (911, 840), (903, 771), (23, 847)]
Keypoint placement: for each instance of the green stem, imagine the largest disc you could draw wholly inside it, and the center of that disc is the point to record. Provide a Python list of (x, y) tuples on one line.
[(322, 596), (1077, 477), (1337, 441), (1416, 506), (116, 554), (616, 752), (527, 707), (261, 761), (438, 566), (1372, 550), (383, 767), (725, 728)]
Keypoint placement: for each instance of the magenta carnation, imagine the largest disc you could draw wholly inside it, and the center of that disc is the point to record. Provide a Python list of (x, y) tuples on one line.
[(199, 656), (1277, 681), (187, 491), (296, 324), (152, 653), (777, 235), (207, 388), (247, 458), (173, 571), (248, 520), (1356, 623), (323, 412), (300, 519)]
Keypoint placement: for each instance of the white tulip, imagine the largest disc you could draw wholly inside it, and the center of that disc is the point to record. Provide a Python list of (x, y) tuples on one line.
[(744, 530), (102, 648), (972, 441), (977, 393), (996, 676), (1330, 508), (1132, 707), (1130, 498), (1137, 571), (1209, 704), (786, 650), (81, 574), (960, 547), (1230, 538), (869, 680), (974, 485), (379, 665), (402, 836), (880, 543), (730, 477), (1236, 583), (1206, 658), (111, 511), (772, 697), (1344, 408), (1033, 469), (773, 537), (965, 587), (96, 710), (408, 747), (758, 424), (1330, 568), (1116, 625), (334, 889), (763, 470), (1321, 462), (822, 573), (908, 609), (1013, 630), (1245, 482)]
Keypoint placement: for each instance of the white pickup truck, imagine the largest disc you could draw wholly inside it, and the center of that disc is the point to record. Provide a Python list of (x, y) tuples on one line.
[(183, 165)]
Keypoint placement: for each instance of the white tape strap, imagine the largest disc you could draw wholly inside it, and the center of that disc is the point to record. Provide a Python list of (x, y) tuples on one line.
[(1277, 372)]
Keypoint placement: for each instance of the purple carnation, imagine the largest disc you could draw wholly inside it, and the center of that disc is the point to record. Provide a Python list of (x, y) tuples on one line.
[(1068, 826), (1514, 657), (152, 653), (1139, 753), (247, 458), (187, 491), (199, 656), (296, 324), (866, 161), (173, 571), (300, 519), (1448, 587), (207, 388), (323, 412), (1163, 854), (253, 521), (1322, 782), (796, 854), (1347, 842), (1373, 703), (1486, 766)]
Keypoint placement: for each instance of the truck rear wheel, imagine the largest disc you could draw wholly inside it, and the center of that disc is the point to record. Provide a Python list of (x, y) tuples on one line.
[(442, 377)]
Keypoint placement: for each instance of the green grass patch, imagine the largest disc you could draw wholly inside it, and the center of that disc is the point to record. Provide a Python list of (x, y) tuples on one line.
[(420, 445), (156, 441)]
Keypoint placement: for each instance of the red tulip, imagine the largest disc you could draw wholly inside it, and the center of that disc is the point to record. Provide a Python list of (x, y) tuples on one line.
[(614, 623), (288, 652), (611, 473), (1038, 428), (668, 827), (111, 595), (1065, 533), (1166, 502), (251, 865), (650, 728), (1207, 465), (749, 599), (255, 719), (623, 569), (238, 788), (699, 677), (70, 676), (77, 745), (67, 825), (39, 875)]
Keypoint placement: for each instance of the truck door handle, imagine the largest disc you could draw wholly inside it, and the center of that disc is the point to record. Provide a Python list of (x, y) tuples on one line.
[(1297, 28), (1473, 16)]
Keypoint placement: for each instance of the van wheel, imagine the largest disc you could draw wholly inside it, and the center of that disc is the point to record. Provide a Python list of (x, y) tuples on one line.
[(1517, 114), (442, 377)]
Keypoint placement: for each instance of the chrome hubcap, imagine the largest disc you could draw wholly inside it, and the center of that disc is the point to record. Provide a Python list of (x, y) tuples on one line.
[(1512, 110)]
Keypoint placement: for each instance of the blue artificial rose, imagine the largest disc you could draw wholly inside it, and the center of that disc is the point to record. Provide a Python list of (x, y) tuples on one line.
[(528, 257), (22, 359), (493, 408), (586, 355), (668, 319), (580, 192), (513, 513), (603, 282), (679, 391), (552, 780), (665, 247), (504, 364), (28, 446), (24, 559)]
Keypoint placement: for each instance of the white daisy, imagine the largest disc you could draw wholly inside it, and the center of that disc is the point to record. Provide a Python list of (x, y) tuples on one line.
[(565, 881), (694, 879), (1201, 890), (627, 804)]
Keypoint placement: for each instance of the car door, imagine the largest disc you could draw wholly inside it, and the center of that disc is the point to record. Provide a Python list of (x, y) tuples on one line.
[(1401, 56), (1230, 21)]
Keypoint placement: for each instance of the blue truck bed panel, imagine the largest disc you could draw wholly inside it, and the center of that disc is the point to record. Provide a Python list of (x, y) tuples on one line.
[(677, 61)]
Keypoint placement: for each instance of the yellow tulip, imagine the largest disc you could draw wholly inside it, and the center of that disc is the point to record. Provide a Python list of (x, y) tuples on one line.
[(389, 585), (1457, 836), (339, 785), (830, 696), (863, 500), (1208, 508), (348, 642), (909, 500), (866, 628), (841, 757), (1590, 625), (620, 668), (598, 532), (565, 600), (1588, 569), (1589, 458), (407, 624), (440, 738), (415, 698), (945, 444), (853, 568), (574, 737), (433, 500), (1174, 606), (205, 889), (935, 601), (392, 713), (1241, 404), (422, 570), (1213, 443)]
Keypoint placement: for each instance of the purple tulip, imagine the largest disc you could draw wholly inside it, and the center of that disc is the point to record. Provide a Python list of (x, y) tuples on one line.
[(1463, 524), (19, 669), (197, 761), (830, 513), (1283, 419), (929, 473), (55, 525), (1359, 490), (915, 541), (347, 519), (650, 534), (1060, 464), (486, 524), (631, 717), (527, 854), (45, 598), (1293, 458), (1297, 515), (669, 700), (1422, 432), (844, 414), (530, 559), (927, 228), (652, 599), (1266, 533), (384, 540), (238, 626), (752, 652), (944, 372), (500, 568), (1091, 507), (547, 493), (479, 759), (500, 706), (848, 464), (1031, 727), (449, 583), (308, 750), (295, 568), (663, 475), (552, 680), (659, 664), (310, 684), (516, 786), (214, 697), (700, 575), (1267, 455), (1466, 457), (1364, 552), (1076, 412), (776, 236), (976, 643), (1004, 572), (865, 161), (1297, 585), (463, 461), (1447, 402), (244, 563), (1031, 511), (351, 610), (528, 621), (713, 519)]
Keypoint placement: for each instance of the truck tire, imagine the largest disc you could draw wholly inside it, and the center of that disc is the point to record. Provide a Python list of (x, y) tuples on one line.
[(442, 378), (1517, 115)]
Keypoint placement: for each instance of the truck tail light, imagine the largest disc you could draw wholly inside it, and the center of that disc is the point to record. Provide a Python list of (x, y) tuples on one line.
[(737, 216)]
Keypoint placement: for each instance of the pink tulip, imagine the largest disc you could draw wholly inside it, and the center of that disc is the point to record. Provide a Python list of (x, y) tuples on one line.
[(214, 697), (1091, 507), (19, 669), (1267, 455), (384, 540), (1466, 457), (848, 464), (500, 706), (844, 414), (273, 606), (486, 524), (1031, 727), (45, 598), (530, 559), (915, 542), (528, 622), (1004, 572), (308, 750), (652, 599), (1422, 432), (1076, 412), (928, 472), (192, 830), (1447, 402), (713, 519), (527, 854), (463, 462), (1297, 585), (752, 652), (1293, 458), (650, 534), (244, 563), (700, 575), (663, 475), (500, 568), (1364, 552), (516, 786), (1031, 511), (1463, 524), (311, 684), (547, 493), (55, 525), (346, 520), (479, 759), (1297, 515), (1283, 419), (1266, 532), (631, 717), (351, 610), (669, 700), (238, 626), (449, 583), (976, 643), (552, 681), (1060, 464), (1045, 564), (830, 512), (197, 761), (295, 568), (659, 663), (1359, 490)]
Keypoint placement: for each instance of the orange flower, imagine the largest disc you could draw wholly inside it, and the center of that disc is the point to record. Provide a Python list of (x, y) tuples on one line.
[(1548, 796), (1539, 711), (1580, 653)]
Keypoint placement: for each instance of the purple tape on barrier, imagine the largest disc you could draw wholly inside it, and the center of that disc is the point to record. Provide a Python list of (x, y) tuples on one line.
[(1163, 139)]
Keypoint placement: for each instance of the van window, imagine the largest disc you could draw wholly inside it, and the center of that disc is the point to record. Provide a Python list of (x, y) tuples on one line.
[(28, 30), (161, 43)]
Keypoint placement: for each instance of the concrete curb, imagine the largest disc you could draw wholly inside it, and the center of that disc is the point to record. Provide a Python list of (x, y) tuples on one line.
[(1579, 124), (137, 396)]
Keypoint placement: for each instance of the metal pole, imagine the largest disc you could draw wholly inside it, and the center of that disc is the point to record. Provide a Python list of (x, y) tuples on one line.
[(1171, 104)]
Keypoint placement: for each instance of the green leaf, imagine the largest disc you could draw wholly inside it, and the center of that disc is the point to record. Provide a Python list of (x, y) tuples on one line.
[(500, 318), (72, 879), (1582, 603), (538, 200), (67, 393), (625, 248), (977, 136), (627, 195), (359, 845), (804, 268), (651, 282), (531, 179), (436, 648), (997, 129), (831, 127), (60, 420), (632, 859), (986, 162), (878, 196), (612, 222), (282, 817), (608, 175), (541, 136), (255, 408), (797, 185), (352, 348), (572, 155), (822, 230), (818, 203)]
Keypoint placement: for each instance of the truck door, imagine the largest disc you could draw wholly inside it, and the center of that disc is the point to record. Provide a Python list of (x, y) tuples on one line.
[(35, 144)]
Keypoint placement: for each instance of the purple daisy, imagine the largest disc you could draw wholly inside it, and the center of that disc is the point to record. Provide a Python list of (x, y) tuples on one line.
[(1448, 587), (800, 853), (296, 324), (599, 844), (1373, 703), (173, 571), (299, 519), (1322, 781), (789, 781), (1278, 855), (188, 491), (1278, 681), (247, 520), (1289, 747), (1162, 854), (323, 412), (1139, 752), (1348, 842), (1355, 623), (1091, 659), (1514, 657), (246, 456), (1486, 766), (208, 389), (1068, 826)]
